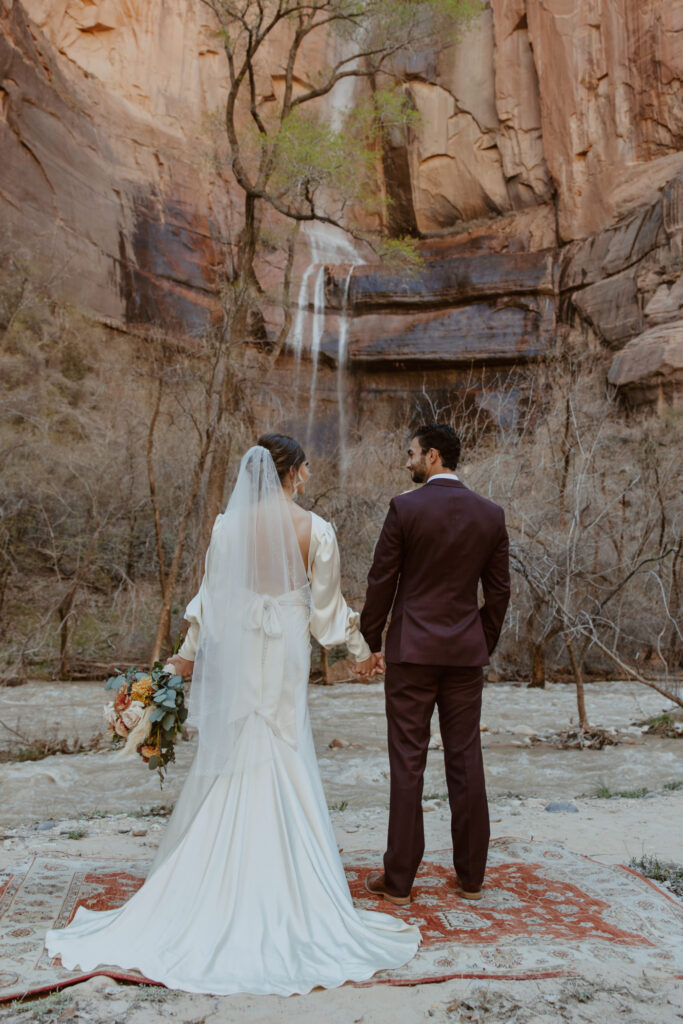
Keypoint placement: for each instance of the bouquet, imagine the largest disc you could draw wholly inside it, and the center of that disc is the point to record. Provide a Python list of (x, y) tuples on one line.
[(147, 714)]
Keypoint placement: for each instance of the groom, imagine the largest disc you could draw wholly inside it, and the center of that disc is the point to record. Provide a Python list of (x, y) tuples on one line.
[(437, 543)]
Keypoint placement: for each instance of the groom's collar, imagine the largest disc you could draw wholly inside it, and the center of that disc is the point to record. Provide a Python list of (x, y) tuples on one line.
[(444, 480)]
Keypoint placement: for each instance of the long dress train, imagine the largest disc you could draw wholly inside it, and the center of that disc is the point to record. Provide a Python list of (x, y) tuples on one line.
[(247, 892)]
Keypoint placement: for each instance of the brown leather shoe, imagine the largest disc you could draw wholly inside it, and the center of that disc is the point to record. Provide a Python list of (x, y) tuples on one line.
[(468, 894), (375, 884)]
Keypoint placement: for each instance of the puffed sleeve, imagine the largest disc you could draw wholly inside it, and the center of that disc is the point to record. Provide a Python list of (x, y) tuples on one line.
[(332, 621), (193, 612)]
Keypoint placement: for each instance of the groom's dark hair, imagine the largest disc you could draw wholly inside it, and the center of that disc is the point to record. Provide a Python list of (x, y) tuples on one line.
[(443, 438), (285, 450)]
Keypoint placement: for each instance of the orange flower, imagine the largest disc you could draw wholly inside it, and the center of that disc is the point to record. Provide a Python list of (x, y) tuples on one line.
[(122, 700), (148, 750)]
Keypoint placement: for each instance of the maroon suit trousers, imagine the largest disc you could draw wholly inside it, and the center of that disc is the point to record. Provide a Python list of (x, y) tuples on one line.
[(411, 691)]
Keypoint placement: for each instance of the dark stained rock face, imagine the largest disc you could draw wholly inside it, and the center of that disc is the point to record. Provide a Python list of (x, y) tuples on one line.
[(166, 265), (72, 190), (453, 279), (465, 306), (510, 331)]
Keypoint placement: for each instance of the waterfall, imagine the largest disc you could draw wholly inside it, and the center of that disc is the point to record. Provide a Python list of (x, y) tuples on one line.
[(297, 336), (327, 244), (342, 353), (317, 328)]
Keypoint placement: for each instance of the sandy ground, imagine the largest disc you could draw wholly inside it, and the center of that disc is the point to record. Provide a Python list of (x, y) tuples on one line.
[(42, 801)]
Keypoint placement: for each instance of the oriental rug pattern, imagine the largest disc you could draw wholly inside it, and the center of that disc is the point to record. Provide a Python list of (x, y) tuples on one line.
[(546, 912)]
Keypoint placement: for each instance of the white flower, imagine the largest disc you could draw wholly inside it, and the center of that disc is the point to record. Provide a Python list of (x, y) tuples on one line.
[(133, 713), (110, 715)]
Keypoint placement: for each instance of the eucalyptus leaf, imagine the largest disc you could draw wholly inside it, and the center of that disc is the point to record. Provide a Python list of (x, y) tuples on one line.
[(182, 714), (154, 762), (168, 720), (157, 715)]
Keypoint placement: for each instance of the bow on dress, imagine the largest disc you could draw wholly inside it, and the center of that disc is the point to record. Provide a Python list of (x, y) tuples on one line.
[(264, 612), (275, 703)]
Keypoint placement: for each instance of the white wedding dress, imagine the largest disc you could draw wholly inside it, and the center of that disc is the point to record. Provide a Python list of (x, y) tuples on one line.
[(247, 892)]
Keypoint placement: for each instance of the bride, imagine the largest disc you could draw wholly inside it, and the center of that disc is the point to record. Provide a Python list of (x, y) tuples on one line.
[(247, 892)]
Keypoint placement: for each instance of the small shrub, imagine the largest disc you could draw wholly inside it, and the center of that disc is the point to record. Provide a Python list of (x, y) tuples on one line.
[(36, 750), (671, 875)]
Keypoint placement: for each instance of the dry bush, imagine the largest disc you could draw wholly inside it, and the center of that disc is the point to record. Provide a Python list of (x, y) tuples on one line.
[(591, 496), (79, 562), (593, 512)]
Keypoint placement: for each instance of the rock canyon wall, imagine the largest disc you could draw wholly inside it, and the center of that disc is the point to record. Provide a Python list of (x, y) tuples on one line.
[(545, 177)]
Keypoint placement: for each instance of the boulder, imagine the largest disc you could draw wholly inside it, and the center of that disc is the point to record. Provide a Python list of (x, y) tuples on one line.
[(666, 304), (649, 369), (612, 250), (612, 308)]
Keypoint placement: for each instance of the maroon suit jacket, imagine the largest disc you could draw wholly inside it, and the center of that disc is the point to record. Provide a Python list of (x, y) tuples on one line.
[(436, 544)]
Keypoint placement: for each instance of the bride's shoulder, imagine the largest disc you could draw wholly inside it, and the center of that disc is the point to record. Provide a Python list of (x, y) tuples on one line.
[(323, 539), (319, 526)]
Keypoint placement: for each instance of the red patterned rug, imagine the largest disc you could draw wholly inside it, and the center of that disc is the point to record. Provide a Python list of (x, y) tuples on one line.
[(546, 912)]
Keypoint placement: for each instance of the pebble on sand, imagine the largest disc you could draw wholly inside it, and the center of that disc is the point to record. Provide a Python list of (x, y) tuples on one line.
[(560, 806)]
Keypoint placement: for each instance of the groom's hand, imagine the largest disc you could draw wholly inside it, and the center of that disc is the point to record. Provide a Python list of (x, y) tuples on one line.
[(372, 666)]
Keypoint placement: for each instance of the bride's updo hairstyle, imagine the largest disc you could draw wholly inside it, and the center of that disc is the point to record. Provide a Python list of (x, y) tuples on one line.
[(285, 450)]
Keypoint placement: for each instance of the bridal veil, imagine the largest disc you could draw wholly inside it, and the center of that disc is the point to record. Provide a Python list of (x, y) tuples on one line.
[(256, 609)]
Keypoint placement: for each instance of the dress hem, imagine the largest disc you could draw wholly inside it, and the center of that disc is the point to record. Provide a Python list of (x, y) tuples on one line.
[(302, 988)]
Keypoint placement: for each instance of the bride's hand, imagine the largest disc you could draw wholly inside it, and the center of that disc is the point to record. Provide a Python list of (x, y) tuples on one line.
[(369, 667), (182, 666)]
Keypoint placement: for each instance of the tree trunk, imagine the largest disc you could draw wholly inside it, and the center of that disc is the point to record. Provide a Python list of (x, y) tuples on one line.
[(5, 568), (130, 553), (578, 679), (537, 666), (164, 626), (227, 390), (153, 489), (211, 506), (64, 611), (63, 641)]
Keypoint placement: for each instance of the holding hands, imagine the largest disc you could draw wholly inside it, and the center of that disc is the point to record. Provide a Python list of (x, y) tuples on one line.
[(372, 666)]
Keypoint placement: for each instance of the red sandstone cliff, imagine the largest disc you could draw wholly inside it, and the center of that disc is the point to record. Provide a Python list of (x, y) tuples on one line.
[(558, 122)]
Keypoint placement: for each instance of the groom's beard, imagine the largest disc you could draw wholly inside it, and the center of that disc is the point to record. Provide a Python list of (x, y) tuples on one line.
[(418, 476)]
